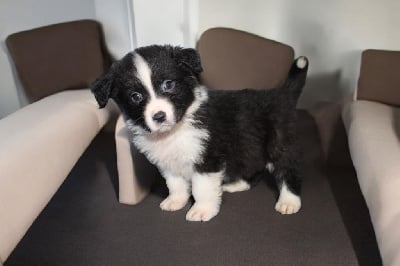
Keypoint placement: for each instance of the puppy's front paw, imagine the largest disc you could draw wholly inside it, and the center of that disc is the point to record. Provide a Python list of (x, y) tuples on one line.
[(288, 204), (173, 203), (202, 212)]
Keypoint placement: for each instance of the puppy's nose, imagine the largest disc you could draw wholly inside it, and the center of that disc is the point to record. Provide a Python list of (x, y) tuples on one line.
[(159, 116)]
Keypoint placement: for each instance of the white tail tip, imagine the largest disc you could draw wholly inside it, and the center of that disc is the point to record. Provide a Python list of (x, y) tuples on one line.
[(301, 62)]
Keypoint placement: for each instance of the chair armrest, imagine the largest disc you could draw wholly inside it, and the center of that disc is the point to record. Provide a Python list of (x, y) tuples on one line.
[(135, 173), (373, 133), (39, 145)]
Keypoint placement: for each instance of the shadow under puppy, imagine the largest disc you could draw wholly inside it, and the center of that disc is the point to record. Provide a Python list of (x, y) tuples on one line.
[(205, 141)]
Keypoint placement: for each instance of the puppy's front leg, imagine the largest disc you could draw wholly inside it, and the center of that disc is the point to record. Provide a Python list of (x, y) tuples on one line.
[(179, 193), (207, 192)]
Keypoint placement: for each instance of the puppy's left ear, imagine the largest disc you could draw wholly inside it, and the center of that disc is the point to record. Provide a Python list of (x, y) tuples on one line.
[(190, 59), (102, 89)]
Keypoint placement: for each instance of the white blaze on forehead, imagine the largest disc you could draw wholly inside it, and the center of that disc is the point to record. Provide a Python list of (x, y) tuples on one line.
[(155, 103), (144, 74)]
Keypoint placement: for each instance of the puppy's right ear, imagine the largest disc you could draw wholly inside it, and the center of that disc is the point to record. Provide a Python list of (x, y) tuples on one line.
[(102, 89)]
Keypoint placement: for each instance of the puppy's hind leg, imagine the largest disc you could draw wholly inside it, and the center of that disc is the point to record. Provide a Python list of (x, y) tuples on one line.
[(284, 168), (288, 183), (288, 202)]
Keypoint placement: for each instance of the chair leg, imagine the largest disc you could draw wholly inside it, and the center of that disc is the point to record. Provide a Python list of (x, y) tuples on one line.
[(131, 191)]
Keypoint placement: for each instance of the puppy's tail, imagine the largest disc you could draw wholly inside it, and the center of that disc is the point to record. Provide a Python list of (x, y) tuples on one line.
[(297, 77)]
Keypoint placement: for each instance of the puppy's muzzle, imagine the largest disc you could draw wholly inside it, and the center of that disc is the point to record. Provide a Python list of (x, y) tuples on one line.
[(159, 117)]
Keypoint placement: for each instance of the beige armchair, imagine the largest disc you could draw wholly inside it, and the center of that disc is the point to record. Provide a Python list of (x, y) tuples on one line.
[(40, 143), (372, 122)]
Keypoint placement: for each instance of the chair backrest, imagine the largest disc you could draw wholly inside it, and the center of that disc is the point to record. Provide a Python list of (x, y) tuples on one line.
[(379, 78), (58, 57), (234, 59)]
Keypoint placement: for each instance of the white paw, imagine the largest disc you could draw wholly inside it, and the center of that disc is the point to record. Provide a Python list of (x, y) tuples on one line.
[(288, 205), (173, 203), (237, 186), (202, 212)]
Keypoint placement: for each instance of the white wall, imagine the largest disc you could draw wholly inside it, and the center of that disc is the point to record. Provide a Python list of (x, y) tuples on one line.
[(172, 22), (118, 25), (331, 33), (26, 14)]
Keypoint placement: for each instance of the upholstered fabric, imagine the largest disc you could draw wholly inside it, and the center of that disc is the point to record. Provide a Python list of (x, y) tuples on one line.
[(39, 146), (234, 59), (379, 77), (58, 57), (84, 225), (374, 138), (134, 175)]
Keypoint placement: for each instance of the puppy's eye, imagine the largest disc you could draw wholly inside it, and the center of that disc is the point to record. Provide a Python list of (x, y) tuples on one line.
[(136, 97), (167, 85)]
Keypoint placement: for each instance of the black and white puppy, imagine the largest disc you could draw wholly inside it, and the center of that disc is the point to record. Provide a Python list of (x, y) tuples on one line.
[(205, 141)]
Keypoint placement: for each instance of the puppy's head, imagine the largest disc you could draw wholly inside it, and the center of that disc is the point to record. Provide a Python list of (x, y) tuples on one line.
[(153, 86)]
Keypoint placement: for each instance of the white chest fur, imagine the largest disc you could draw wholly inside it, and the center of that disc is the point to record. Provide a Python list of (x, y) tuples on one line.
[(174, 152)]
